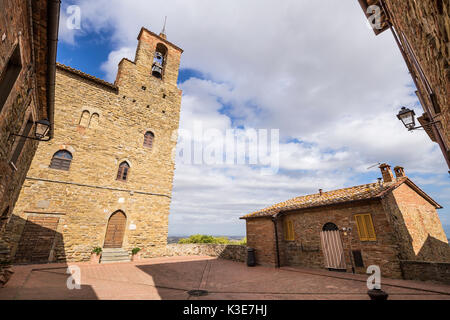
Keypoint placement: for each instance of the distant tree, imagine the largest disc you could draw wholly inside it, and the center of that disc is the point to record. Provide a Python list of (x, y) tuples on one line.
[(201, 238)]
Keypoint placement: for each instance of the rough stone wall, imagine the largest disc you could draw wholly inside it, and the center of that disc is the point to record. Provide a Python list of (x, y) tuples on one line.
[(85, 196), (306, 250), (426, 25), (223, 251), (417, 226), (426, 271)]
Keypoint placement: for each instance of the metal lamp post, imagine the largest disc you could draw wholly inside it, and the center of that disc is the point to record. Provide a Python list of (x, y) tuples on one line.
[(42, 128)]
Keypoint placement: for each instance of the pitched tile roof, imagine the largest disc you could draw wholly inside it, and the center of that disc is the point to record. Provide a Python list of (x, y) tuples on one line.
[(356, 193)]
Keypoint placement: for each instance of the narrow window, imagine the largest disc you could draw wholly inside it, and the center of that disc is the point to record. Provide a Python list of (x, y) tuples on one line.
[(122, 173), (10, 75), (357, 257), (288, 230), (61, 160), (84, 120), (22, 140), (365, 227), (148, 139), (94, 121)]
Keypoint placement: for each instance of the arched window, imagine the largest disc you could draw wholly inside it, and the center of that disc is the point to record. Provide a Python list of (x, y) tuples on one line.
[(122, 173), (148, 139), (84, 120), (329, 226), (61, 160), (159, 61), (94, 121)]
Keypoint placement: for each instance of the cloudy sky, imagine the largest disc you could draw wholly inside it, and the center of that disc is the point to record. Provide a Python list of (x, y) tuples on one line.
[(311, 69)]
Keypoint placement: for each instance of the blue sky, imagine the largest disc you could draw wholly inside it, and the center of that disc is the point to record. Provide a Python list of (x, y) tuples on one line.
[(329, 86)]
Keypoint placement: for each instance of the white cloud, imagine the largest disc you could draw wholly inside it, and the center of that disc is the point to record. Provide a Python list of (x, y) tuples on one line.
[(114, 57), (311, 69)]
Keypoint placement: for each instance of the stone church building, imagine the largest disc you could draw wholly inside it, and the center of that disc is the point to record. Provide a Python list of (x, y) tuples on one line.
[(391, 223), (105, 179)]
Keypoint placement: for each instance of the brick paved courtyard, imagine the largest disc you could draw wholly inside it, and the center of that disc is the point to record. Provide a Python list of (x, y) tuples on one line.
[(172, 278)]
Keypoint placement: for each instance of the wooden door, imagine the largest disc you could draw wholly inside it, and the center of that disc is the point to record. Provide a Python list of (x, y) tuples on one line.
[(333, 250), (37, 240), (115, 230)]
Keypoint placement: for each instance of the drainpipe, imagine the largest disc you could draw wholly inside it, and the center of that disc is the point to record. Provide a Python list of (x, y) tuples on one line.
[(274, 220), (52, 41)]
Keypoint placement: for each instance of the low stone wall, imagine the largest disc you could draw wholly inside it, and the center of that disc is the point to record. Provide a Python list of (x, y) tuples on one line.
[(223, 251), (420, 270)]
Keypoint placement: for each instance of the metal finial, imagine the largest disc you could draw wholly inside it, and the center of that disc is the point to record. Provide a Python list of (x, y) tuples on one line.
[(164, 27)]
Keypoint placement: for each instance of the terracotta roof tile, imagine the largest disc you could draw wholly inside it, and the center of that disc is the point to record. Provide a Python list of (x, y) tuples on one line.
[(362, 192)]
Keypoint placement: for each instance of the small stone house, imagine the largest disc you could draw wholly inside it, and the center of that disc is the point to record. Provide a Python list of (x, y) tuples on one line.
[(390, 223)]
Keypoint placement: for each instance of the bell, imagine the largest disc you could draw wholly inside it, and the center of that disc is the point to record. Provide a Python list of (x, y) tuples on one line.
[(159, 56), (157, 70)]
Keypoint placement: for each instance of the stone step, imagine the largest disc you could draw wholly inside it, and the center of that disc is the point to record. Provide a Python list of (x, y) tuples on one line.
[(114, 255)]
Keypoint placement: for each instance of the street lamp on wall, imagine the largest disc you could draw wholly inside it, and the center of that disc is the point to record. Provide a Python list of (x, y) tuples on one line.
[(42, 128), (407, 117)]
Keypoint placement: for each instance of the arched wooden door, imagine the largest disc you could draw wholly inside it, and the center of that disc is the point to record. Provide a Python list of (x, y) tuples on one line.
[(115, 230)]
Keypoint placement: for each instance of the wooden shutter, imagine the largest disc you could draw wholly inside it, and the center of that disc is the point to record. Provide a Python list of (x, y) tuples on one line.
[(365, 227), (148, 139), (369, 227), (61, 160), (122, 173), (288, 230)]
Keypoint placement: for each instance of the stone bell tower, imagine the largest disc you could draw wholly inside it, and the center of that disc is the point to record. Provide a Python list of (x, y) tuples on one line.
[(105, 180)]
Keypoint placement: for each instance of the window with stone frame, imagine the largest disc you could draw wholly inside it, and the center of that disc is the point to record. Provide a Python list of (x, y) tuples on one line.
[(9, 75), (148, 139), (124, 170), (61, 160), (364, 224)]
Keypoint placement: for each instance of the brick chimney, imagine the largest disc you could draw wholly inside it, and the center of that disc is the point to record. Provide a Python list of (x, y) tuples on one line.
[(386, 173), (399, 172)]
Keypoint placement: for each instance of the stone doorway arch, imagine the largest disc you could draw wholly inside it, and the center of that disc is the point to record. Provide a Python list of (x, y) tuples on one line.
[(115, 230)]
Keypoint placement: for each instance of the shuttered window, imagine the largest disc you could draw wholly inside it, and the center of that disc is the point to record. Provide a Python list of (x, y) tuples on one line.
[(365, 227), (122, 173), (288, 230), (61, 160), (148, 139)]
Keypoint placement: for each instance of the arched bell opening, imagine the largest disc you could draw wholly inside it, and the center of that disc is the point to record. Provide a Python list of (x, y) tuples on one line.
[(159, 61)]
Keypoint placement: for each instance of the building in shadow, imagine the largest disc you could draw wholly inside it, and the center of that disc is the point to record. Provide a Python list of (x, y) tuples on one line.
[(28, 33)]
